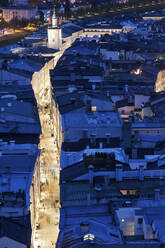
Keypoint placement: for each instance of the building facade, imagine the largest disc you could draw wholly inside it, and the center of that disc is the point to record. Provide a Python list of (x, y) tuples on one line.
[(19, 12)]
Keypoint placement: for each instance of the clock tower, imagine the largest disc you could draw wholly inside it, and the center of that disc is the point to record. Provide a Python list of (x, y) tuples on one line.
[(54, 34)]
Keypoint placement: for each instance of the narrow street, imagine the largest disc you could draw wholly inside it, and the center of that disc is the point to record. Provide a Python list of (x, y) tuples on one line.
[(45, 230), (48, 215)]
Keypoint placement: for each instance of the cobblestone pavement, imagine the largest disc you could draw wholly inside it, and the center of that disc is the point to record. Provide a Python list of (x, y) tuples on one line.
[(45, 235)]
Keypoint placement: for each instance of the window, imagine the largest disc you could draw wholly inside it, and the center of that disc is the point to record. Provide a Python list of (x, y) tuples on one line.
[(140, 220), (129, 192), (93, 108)]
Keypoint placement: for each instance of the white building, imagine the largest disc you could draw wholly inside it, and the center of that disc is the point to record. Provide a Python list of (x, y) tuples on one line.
[(54, 34)]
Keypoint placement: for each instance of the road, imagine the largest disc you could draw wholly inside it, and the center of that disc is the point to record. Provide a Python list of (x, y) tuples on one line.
[(48, 216)]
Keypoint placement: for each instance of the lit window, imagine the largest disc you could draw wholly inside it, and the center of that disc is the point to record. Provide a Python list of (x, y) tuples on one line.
[(93, 108)]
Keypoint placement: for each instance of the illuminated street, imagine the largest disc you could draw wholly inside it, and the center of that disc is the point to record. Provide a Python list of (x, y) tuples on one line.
[(48, 217)]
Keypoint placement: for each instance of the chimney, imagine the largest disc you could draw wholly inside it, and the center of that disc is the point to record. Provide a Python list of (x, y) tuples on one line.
[(84, 227), (9, 104), (89, 199), (157, 194), (106, 180), (101, 145), (141, 173), (110, 65), (93, 86), (108, 138), (90, 170), (12, 142), (93, 138), (73, 100), (103, 65), (134, 153), (119, 172), (126, 88)]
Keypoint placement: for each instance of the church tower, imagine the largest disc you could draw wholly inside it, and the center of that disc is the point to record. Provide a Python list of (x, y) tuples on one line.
[(54, 34)]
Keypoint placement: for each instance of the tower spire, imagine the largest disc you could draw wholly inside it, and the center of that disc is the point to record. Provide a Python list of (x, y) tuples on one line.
[(54, 33), (54, 19)]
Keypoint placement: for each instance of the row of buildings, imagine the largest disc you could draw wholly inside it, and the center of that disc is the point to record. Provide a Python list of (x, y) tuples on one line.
[(112, 157), (19, 159)]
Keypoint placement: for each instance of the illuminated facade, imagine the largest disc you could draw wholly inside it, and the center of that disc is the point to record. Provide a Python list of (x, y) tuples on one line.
[(54, 34), (160, 82), (19, 12)]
